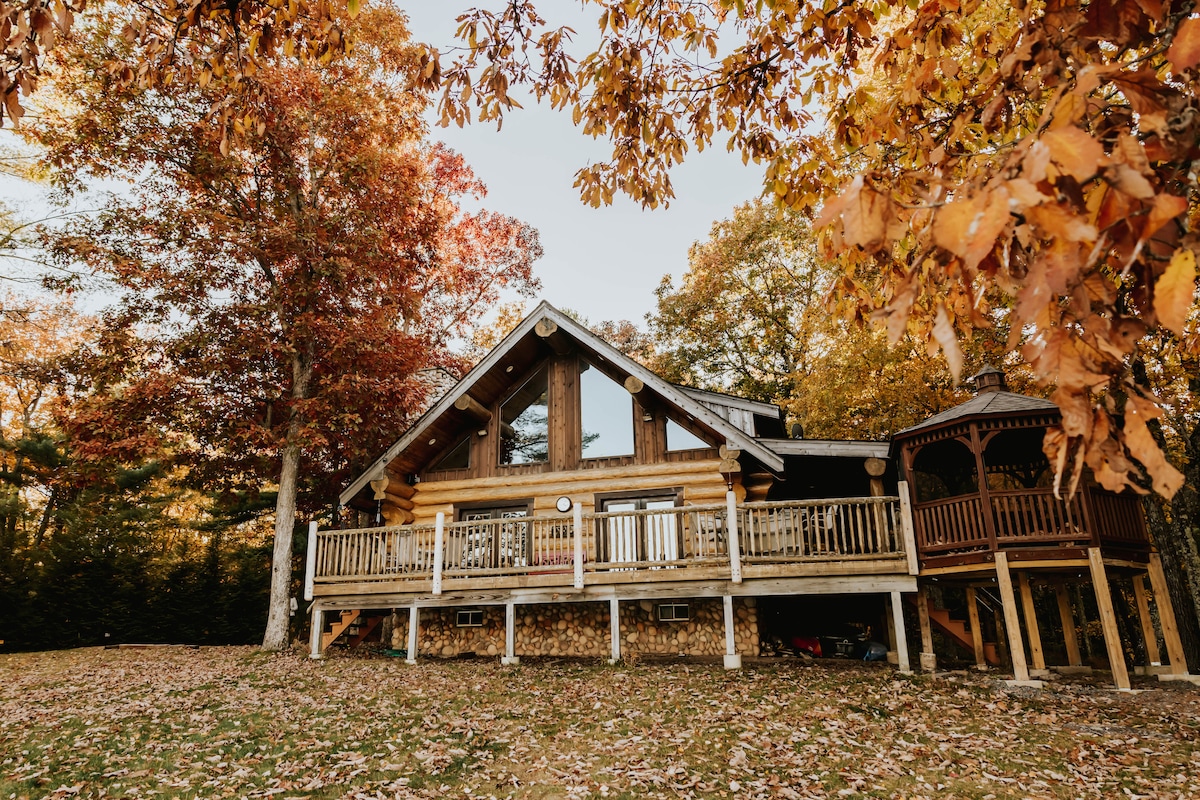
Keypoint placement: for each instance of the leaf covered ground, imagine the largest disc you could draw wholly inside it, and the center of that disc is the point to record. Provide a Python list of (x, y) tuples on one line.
[(236, 722)]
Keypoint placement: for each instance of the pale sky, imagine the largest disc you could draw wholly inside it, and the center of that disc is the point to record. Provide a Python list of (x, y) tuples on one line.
[(602, 262)]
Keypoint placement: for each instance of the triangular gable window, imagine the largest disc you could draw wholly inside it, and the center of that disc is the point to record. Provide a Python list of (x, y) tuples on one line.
[(459, 457), (680, 438)]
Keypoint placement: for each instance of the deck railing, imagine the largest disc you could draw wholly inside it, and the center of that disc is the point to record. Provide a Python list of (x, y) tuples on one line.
[(1029, 518), (676, 538)]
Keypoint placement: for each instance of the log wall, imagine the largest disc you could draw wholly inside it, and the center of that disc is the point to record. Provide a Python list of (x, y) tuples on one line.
[(700, 481), (582, 630)]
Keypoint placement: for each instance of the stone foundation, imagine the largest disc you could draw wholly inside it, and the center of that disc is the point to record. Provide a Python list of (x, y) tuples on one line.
[(582, 629)]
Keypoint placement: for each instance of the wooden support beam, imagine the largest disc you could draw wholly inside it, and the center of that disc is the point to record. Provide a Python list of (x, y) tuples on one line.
[(1108, 619), (548, 330), (1012, 620), (733, 660), (1149, 635), (901, 637), (510, 636), (614, 630), (634, 385), (318, 626), (928, 657), (1166, 616), (1031, 623), (976, 631), (473, 408), (413, 622), (1065, 613), (734, 543), (906, 529)]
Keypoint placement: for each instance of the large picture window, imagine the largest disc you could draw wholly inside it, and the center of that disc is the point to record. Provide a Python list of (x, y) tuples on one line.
[(606, 414), (525, 423)]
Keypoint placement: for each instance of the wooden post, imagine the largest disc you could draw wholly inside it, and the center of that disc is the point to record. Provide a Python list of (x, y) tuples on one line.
[(310, 561), (412, 634), (890, 630), (1031, 623), (901, 636), (510, 636), (318, 627), (1012, 621), (1068, 625), (976, 631), (439, 547), (1108, 619), (928, 657), (1149, 635), (614, 629), (906, 529), (578, 523), (1166, 617), (735, 547), (733, 660)]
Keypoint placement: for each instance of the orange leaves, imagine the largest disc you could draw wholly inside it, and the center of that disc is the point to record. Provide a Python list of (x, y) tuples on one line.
[(969, 228), (943, 333), (1142, 446), (1075, 152), (1175, 291), (1184, 52), (868, 218)]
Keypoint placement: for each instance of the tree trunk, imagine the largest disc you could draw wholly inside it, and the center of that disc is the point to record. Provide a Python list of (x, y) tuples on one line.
[(279, 614)]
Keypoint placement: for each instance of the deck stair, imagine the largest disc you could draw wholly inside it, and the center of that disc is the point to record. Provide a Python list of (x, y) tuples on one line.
[(340, 626), (365, 626), (958, 631)]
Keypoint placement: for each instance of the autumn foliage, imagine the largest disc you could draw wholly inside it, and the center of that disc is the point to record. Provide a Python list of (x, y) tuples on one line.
[(946, 149)]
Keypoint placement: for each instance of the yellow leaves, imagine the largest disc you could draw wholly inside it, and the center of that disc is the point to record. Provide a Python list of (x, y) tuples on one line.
[(865, 214), (1175, 291), (1075, 152), (1184, 52), (947, 339), (969, 228), (1142, 446), (353, 7)]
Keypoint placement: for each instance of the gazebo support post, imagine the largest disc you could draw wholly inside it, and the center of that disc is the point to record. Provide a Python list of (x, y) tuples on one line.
[(1108, 619), (1031, 626), (976, 631), (1012, 623)]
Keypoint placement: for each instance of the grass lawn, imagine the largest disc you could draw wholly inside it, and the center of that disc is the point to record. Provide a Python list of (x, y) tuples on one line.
[(235, 722)]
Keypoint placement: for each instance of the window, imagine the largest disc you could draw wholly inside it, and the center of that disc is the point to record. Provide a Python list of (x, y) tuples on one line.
[(674, 612), (524, 423), (639, 536), (471, 618), (606, 414), (680, 438), (459, 457), (495, 539)]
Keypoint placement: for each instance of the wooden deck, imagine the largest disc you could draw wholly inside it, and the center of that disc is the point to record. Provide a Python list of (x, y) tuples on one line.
[(970, 529), (586, 553)]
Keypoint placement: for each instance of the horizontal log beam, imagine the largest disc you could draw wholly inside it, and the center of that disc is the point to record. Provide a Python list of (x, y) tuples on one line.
[(634, 384), (473, 407)]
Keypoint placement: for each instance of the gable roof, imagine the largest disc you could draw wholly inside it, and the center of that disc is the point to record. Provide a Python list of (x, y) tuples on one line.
[(682, 399), (982, 404)]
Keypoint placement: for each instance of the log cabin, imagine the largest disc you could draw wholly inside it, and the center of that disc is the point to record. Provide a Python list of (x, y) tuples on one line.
[(563, 500)]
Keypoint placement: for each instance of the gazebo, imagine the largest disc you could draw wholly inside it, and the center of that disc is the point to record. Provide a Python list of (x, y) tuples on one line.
[(984, 508)]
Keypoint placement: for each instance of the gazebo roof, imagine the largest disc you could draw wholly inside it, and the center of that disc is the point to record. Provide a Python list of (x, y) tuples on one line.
[(983, 405)]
